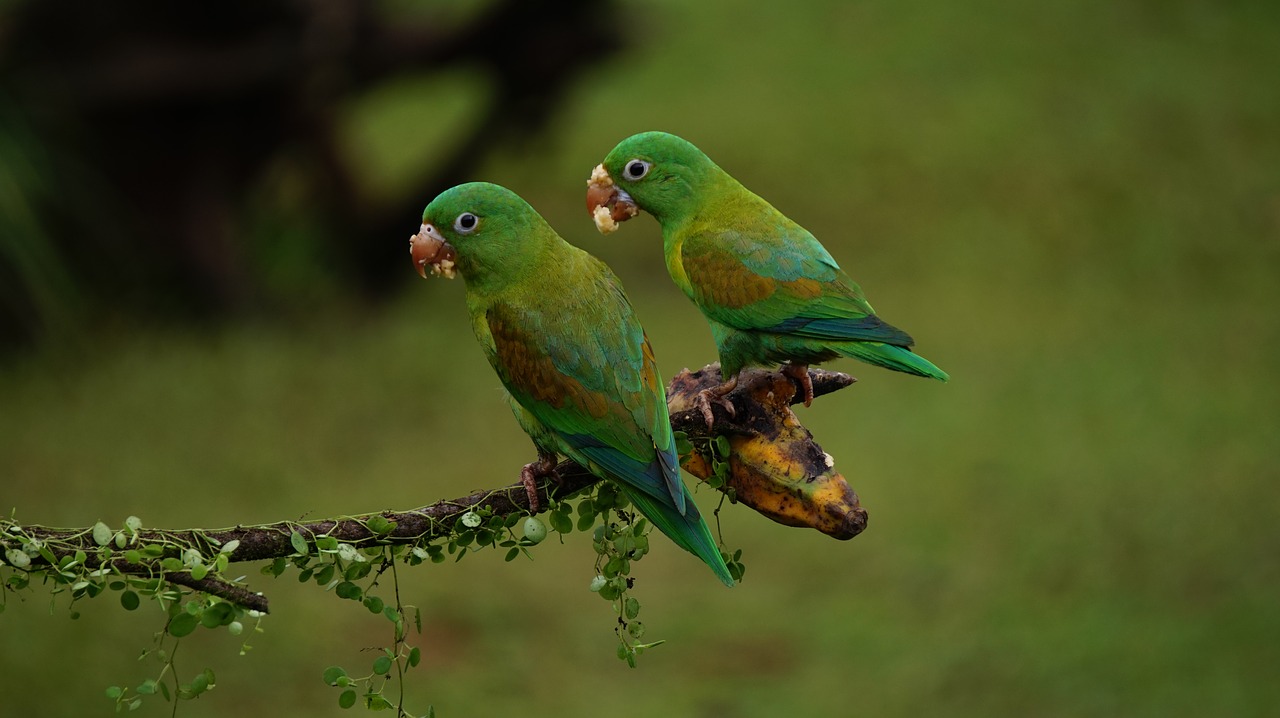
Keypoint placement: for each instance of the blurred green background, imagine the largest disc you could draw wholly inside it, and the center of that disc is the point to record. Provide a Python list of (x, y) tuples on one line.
[(1073, 206)]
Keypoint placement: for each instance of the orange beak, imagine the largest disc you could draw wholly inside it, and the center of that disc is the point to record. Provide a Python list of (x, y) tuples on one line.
[(430, 250), (607, 203)]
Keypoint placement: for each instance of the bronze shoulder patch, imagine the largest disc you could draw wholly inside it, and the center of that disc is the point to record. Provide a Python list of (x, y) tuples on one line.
[(527, 368), (717, 276)]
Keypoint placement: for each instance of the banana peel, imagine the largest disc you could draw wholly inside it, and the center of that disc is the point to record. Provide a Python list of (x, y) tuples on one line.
[(775, 467)]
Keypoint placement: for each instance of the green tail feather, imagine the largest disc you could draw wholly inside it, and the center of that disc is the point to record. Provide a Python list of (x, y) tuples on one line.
[(890, 357), (689, 532)]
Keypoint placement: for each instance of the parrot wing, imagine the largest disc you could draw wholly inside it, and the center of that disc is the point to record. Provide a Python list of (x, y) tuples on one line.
[(780, 280), (592, 379)]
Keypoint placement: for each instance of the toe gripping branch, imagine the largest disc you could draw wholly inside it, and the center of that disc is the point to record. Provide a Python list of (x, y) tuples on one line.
[(775, 467)]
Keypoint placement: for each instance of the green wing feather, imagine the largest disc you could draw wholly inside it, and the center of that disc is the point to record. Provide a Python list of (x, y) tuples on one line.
[(586, 373), (775, 278), (595, 388), (782, 281)]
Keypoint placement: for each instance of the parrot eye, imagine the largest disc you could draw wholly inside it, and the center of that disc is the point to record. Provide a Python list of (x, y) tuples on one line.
[(636, 169), (466, 223)]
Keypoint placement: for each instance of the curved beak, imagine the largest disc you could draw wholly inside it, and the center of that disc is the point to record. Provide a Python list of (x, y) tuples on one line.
[(607, 203), (429, 250)]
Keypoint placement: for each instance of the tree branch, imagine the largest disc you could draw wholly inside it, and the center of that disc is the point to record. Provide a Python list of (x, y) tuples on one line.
[(416, 526)]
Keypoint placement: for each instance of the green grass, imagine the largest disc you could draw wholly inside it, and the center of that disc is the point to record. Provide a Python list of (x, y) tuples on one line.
[(1074, 207)]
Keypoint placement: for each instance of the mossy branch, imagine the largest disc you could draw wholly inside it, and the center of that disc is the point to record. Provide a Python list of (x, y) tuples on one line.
[(413, 527)]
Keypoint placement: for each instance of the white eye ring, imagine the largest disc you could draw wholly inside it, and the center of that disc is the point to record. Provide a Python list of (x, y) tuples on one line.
[(636, 169), (466, 223)]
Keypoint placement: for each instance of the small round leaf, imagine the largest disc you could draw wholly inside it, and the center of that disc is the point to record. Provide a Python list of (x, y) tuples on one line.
[(332, 674), (182, 625)]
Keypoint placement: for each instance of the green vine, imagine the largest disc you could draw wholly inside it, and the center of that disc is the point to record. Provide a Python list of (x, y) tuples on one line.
[(351, 558), (716, 451), (87, 574), (343, 567)]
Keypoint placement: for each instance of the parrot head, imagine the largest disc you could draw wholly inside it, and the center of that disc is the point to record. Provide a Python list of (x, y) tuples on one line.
[(653, 171), (480, 230)]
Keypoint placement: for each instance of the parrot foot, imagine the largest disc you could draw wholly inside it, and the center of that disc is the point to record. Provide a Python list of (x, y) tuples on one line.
[(716, 395), (529, 475), (800, 373)]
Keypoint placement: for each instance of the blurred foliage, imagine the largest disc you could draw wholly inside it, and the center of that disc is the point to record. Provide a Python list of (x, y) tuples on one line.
[(187, 166), (32, 280), (1074, 207)]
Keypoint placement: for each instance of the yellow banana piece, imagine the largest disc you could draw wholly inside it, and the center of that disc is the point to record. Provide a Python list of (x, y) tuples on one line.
[(774, 465)]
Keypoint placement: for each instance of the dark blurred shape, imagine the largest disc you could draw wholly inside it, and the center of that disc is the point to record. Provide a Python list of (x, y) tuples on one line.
[(146, 126)]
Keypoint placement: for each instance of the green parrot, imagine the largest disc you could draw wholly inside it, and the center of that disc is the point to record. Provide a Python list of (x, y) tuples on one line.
[(559, 331), (770, 291)]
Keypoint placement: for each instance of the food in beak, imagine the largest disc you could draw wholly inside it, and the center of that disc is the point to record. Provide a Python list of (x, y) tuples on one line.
[(608, 204), (428, 249)]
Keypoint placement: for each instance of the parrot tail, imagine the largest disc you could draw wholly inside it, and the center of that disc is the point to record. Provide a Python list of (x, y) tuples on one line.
[(689, 531), (890, 357)]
